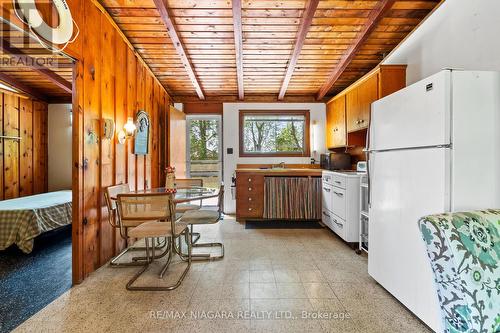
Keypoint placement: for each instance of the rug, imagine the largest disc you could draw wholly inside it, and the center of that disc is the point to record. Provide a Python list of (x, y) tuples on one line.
[(29, 282)]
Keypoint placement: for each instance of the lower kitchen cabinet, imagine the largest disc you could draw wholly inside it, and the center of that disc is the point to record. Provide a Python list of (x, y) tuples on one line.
[(249, 195), (340, 196)]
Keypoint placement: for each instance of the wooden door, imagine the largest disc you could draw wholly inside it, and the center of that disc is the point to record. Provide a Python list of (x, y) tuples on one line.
[(359, 101), (330, 127), (11, 146), (178, 139)]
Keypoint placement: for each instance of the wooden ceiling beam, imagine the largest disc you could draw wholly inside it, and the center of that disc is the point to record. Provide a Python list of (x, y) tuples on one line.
[(179, 47), (16, 84), (371, 23), (254, 97), (40, 69), (238, 46), (305, 25)]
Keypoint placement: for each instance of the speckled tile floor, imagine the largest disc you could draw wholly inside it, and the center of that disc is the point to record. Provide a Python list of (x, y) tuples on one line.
[(271, 280)]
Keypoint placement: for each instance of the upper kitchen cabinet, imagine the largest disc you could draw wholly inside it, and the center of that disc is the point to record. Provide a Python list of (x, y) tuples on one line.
[(358, 103), (335, 120), (349, 111)]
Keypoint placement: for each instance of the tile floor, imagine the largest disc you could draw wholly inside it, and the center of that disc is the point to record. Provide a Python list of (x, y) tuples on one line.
[(286, 280)]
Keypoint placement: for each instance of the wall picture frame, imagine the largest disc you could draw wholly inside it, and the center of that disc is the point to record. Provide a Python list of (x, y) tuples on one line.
[(141, 139)]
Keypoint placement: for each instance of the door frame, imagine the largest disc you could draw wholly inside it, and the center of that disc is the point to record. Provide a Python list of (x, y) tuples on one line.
[(220, 131), (77, 227)]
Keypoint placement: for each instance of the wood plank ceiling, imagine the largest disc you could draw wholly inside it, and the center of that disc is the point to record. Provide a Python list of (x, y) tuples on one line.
[(272, 36), (30, 68), (225, 50)]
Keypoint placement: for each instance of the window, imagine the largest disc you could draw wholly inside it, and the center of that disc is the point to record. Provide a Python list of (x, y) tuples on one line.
[(274, 133)]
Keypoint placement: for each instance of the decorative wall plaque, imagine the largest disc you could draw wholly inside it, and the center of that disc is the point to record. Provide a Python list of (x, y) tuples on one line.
[(141, 140), (108, 128)]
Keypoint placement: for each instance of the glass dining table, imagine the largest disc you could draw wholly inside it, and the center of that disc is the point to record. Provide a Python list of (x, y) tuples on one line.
[(192, 193)]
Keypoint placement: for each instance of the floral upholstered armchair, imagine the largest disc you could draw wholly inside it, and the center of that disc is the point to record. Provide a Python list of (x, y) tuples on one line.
[(464, 251)]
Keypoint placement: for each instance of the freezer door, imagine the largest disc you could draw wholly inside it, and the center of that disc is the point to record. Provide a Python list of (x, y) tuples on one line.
[(406, 185), (416, 116)]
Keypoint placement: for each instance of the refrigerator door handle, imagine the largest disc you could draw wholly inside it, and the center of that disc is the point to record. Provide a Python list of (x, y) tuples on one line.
[(449, 145), (369, 168), (367, 152)]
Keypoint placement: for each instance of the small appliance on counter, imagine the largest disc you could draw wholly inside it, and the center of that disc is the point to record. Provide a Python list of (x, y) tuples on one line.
[(361, 167), (336, 161)]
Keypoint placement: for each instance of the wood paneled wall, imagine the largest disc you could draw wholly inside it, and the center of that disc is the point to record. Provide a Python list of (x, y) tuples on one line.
[(23, 163), (110, 82)]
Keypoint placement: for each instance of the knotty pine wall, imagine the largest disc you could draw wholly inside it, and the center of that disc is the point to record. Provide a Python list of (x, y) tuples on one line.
[(23, 163), (111, 82)]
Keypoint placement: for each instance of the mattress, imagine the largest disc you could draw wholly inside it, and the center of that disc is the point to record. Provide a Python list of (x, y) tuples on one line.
[(22, 219)]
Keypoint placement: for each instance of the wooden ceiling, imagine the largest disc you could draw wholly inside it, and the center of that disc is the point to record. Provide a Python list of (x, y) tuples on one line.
[(229, 50), (259, 49), (30, 68)]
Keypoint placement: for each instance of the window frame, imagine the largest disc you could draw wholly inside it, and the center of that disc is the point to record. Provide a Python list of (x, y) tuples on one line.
[(307, 138)]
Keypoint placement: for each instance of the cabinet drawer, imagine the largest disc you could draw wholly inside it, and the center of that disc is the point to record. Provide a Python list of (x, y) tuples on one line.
[(326, 218), (327, 177), (327, 199), (338, 181), (339, 202), (249, 208), (249, 179), (338, 226)]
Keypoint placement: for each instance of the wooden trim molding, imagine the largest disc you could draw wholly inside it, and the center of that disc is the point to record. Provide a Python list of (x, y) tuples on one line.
[(203, 108), (307, 147)]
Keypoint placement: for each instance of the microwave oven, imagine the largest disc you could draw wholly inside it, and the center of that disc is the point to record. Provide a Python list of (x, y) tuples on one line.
[(335, 161)]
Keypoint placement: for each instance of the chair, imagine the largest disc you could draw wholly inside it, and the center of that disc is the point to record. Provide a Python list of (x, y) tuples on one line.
[(187, 183), (464, 251), (157, 210), (184, 207), (203, 217), (117, 223)]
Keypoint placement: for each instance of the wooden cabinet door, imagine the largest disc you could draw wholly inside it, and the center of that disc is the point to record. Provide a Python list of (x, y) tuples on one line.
[(359, 102), (338, 122), (329, 125)]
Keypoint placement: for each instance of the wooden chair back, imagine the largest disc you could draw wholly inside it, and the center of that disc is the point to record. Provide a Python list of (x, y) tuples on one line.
[(145, 206), (112, 192), (190, 182)]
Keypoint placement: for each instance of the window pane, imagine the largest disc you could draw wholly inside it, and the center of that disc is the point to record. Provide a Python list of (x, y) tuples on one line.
[(204, 141), (273, 133)]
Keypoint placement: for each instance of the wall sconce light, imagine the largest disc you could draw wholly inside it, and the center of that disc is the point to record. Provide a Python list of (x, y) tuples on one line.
[(129, 127), (314, 140), (128, 131)]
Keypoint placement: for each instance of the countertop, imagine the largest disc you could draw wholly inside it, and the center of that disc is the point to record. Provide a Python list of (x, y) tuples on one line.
[(345, 173), (284, 171)]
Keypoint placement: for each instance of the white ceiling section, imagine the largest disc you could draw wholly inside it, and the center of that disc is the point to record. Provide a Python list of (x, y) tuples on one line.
[(459, 34)]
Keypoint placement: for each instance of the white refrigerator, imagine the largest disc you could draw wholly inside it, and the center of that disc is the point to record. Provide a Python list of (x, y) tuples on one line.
[(434, 147)]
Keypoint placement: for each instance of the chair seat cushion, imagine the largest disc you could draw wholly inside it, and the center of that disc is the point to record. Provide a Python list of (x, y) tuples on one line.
[(132, 223), (156, 229), (181, 208), (200, 217)]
